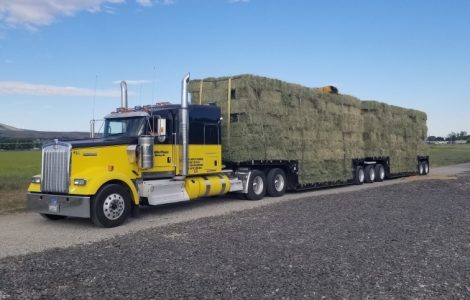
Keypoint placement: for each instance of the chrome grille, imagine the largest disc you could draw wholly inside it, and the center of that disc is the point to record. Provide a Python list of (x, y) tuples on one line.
[(55, 167)]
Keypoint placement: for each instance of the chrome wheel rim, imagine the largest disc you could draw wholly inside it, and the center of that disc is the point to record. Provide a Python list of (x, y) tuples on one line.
[(421, 169), (279, 182), (113, 206), (426, 168), (372, 174), (381, 173), (361, 175), (258, 185)]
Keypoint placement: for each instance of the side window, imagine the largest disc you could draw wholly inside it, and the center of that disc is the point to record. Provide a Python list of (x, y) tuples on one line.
[(211, 134), (116, 127), (196, 133)]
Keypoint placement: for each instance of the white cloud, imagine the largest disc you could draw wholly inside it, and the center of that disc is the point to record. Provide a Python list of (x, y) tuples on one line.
[(24, 88), (146, 3), (133, 82), (36, 13)]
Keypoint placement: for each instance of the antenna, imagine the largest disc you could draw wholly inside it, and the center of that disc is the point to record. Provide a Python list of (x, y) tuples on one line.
[(94, 96)]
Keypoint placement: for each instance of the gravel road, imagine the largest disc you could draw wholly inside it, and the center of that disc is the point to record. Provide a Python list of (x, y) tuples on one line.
[(401, 238), (28, 232)]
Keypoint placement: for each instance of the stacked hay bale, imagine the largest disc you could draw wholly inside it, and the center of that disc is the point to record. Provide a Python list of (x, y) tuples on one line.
[(395, 132), (268, 119)]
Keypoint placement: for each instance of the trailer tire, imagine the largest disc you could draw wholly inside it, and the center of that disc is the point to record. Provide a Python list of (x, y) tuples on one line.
[(369, 173), (420, 168), (379, 173), (359, 175), (53, 217), (276, 181), (425, 167), (111, 206), (256, 185)]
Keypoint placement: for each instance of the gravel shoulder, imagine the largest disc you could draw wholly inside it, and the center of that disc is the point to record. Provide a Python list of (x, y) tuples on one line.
[(24, 233), (390, 241)]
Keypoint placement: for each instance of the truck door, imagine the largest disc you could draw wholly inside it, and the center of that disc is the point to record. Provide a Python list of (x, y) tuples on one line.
[(164, 160)]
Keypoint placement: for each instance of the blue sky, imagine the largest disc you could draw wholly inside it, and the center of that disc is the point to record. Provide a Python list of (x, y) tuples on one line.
[(413, 53)]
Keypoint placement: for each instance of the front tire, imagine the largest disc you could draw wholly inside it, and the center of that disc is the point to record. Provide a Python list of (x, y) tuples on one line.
[(276, 180), (110, 206), (256, 185)]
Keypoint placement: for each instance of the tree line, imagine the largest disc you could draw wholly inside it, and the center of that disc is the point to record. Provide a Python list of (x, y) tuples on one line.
[(19, 144), (451, 137)]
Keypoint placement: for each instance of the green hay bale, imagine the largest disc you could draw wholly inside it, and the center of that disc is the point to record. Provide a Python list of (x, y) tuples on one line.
[(274, 120)]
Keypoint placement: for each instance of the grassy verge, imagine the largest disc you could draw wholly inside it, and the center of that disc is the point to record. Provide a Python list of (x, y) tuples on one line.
[(16, 169), (444, 155)]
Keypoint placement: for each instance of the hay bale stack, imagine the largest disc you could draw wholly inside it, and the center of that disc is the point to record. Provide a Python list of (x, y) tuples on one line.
[(268, 119), (396, 132)]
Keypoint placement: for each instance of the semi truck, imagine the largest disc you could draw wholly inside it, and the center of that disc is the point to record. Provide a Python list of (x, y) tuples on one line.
[(166, 153)]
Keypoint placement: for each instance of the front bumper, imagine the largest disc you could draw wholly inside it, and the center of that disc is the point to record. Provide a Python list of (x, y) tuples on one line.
[(63, 205)]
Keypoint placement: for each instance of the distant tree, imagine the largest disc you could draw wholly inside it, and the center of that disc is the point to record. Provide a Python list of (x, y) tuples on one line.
[(452, 136)]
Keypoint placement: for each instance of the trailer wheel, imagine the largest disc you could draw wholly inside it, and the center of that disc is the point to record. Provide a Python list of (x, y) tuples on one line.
[(276, 180), (359, 175), (369, 173), (379, 173), (53, 217), (420, 168), (111, 206), (256, 186), (425, 167)]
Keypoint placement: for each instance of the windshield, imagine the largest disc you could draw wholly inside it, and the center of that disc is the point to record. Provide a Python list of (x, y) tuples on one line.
[(123, 127)]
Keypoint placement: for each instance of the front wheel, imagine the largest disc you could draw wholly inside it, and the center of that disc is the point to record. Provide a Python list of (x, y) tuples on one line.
[(110, 206), (256, 185)]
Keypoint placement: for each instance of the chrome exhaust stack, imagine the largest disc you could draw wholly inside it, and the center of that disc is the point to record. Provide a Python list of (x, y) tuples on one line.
[(184, 127), (123, 94)]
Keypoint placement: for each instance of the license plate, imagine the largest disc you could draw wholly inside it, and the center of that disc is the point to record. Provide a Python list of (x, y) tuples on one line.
[(54, 205)]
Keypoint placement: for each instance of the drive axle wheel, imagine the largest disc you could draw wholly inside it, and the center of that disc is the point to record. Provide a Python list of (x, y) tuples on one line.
[(110, 206), (256, 185), (276, 180)]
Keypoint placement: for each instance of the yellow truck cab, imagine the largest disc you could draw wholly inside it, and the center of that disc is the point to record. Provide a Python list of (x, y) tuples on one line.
[(148, 155)]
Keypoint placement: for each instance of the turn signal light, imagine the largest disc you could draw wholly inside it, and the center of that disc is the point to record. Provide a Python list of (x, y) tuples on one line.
[(79, 181)]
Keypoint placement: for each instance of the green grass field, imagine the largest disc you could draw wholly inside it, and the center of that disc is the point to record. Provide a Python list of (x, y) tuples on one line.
[(444, 155), (17, 167), (16, 170)]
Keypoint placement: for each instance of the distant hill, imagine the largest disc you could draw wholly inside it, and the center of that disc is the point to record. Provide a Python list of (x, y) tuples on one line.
[(10, 132)]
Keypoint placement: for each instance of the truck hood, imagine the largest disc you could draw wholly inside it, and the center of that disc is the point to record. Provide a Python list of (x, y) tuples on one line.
[(123, 140)]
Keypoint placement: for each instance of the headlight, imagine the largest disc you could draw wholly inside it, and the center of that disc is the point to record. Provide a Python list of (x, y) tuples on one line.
[(79, 181), (36, 179)]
